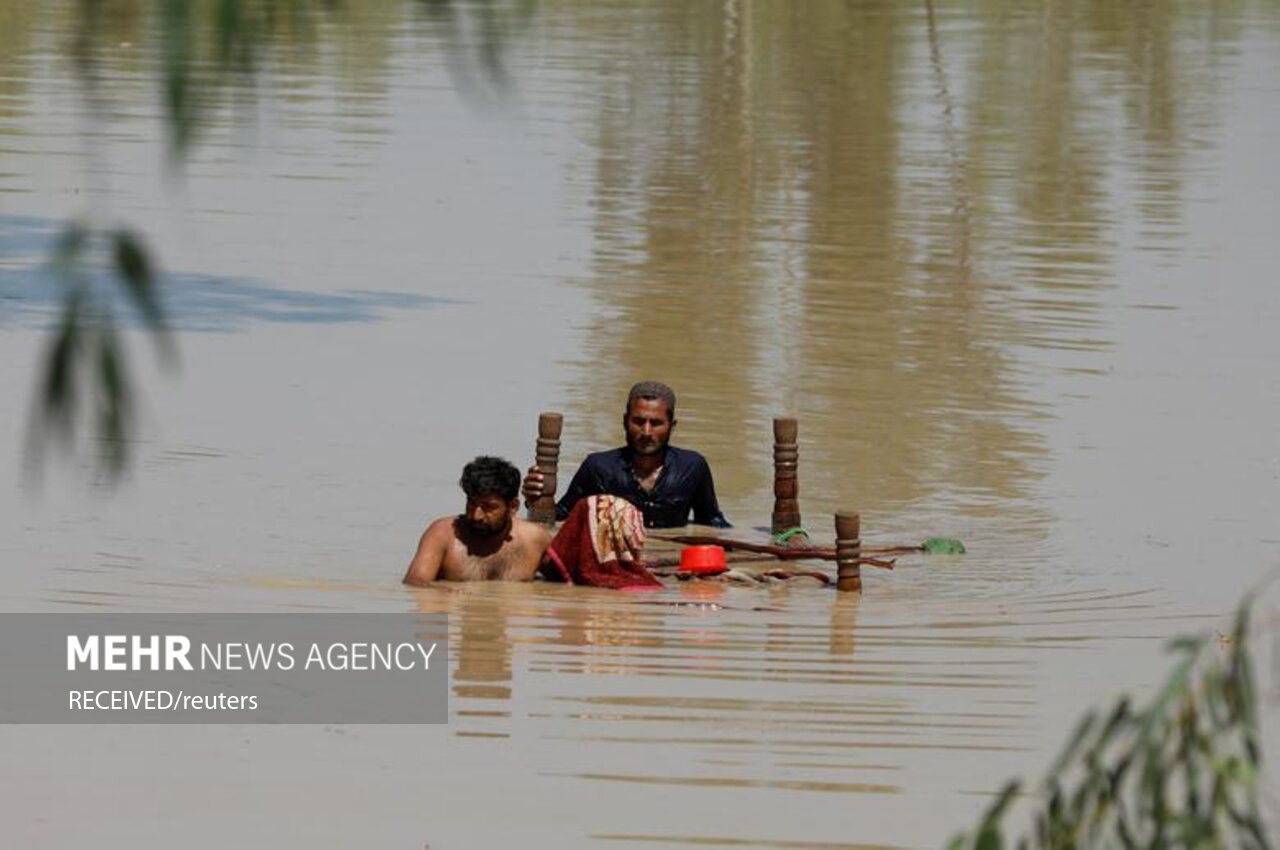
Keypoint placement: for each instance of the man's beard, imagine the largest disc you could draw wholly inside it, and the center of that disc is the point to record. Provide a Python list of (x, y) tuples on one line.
[(648, 447), (487, 533)]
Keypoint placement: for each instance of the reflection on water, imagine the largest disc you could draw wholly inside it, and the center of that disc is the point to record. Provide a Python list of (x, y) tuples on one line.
[(996, 258), (857, 231), (484, 654), (613, 690)]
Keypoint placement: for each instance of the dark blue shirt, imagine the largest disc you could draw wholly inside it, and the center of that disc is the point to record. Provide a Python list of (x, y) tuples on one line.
[(683, 485)]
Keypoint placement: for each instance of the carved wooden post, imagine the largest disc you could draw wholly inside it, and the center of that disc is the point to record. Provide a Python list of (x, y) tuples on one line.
[(848, 551), (547, 460), (786, 456)]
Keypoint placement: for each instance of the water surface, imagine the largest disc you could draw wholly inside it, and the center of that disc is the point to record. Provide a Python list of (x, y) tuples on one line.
[(1011, 265)]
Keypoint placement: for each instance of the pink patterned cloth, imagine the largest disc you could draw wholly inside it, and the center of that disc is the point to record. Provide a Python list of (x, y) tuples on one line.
[(600, 545)]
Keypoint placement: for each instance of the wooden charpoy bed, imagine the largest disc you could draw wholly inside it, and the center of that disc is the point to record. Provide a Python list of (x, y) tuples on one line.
[(787, 553)]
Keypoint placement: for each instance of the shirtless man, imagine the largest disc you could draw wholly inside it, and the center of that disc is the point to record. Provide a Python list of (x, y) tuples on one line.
[(487, 542)]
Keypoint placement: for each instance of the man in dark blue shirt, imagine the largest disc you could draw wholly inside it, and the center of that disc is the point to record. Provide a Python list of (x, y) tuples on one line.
[(663, 481)]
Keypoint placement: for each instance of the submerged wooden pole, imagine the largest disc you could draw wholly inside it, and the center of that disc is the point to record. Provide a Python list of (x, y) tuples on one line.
[(848, 551), (786, 487), (547, 461)]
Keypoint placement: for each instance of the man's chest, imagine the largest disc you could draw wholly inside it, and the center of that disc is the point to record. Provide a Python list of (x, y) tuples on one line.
[(667, 488), (461, 564)]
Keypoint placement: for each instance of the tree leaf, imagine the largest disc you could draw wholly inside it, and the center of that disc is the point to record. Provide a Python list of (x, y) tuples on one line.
[(989, 838), (59, 387), (134, 267), (115, 403)]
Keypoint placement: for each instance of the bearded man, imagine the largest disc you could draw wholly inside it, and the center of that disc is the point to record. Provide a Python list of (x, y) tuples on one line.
[(488, 541), (665, 482)]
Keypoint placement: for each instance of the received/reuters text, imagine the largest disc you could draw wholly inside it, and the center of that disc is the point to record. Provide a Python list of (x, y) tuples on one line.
[(158, 700)]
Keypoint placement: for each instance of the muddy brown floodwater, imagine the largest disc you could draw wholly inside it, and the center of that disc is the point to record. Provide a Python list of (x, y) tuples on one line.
[(1012, 265)]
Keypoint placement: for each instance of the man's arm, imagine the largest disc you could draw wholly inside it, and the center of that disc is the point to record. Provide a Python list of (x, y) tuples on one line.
[(706, 509), (426, 562), (583, 484), (542, 542)]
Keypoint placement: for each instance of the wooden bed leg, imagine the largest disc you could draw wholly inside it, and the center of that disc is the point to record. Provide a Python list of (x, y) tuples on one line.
[(547, 460), (848, 551), (786, 487)]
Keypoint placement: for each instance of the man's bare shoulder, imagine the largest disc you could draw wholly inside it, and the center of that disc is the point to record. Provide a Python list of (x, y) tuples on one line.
[(532, 532), (442, 530)]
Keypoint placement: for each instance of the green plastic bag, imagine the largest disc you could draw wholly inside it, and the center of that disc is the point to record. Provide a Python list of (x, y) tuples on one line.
[(943, 546)]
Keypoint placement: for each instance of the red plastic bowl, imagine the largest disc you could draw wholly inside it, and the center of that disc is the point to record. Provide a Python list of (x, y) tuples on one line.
[(702, 560)]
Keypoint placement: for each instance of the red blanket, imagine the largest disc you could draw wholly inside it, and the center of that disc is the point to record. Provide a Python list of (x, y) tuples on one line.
[(600, 545)]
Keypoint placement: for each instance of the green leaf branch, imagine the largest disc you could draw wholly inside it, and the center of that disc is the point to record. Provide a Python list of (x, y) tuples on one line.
[(1178, 772), (86, 365)]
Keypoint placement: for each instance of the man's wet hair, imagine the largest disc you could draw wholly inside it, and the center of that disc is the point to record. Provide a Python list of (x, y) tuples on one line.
[(489, 476), (653, 391)]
